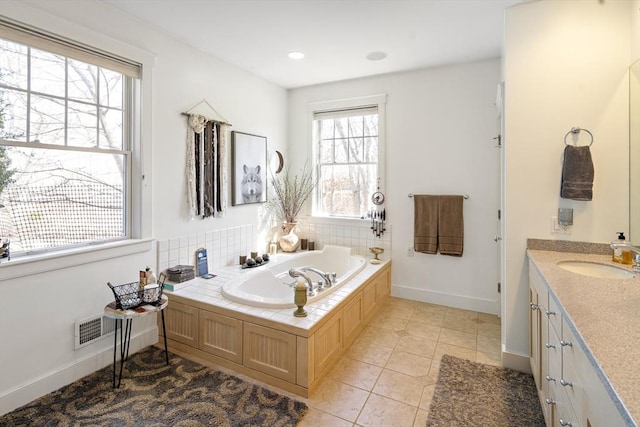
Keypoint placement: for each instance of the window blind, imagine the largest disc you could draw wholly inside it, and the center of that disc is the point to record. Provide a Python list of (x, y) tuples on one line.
[(40, 39), (347, 112)]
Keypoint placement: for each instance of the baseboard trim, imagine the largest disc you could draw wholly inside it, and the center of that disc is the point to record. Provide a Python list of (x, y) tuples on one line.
[(516, 361), (38, 387), (450, 300)]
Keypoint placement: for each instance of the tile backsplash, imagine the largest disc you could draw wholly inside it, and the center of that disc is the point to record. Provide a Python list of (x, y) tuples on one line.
[(224, 246)]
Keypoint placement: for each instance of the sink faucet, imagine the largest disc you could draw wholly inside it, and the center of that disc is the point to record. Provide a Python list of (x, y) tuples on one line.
[(634, 249), (310, 288), (326, 279)]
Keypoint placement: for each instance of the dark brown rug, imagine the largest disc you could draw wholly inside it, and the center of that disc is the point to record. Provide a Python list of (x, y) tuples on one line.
[(183, 393), (474, 394)]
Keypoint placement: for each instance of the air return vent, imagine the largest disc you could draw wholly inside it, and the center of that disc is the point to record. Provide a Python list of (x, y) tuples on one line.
[(92, 329)]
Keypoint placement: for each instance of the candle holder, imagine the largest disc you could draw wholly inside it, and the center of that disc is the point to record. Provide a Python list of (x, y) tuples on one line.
[(300, 298), (376, 251)]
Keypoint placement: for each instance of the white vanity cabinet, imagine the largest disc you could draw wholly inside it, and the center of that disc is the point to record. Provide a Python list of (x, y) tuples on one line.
[(571, 391)]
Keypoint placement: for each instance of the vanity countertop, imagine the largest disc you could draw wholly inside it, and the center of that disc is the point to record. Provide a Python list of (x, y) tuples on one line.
[(605, 313)]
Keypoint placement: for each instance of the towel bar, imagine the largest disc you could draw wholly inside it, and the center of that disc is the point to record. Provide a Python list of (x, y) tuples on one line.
[(466, 196), (575, 131)]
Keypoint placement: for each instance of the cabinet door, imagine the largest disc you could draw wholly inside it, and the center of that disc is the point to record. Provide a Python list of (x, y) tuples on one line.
[(328, 344), (369, 300), (221, 335), (352, 319), (270, 351), (181, 322), (534, 336)]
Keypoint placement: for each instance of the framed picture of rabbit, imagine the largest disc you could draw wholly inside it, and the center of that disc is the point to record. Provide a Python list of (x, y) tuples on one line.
[(249, 168)]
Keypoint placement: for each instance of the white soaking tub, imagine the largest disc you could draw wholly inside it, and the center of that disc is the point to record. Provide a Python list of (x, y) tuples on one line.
[(269, 286)]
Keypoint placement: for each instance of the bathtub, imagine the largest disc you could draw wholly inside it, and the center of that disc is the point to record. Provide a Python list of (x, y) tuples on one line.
[(269, 286)]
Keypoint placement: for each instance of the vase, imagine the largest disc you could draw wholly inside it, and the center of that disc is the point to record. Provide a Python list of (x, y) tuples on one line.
[(289, 240)]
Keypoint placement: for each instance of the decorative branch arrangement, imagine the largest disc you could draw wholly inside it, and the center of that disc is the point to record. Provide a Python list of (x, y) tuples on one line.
[(290, 193)]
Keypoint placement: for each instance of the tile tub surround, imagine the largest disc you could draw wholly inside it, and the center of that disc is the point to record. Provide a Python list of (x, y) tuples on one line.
[(224, 246), (204, 297), (604, 314)]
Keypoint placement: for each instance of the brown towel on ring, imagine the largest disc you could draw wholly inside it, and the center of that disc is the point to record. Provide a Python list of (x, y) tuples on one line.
[(577, 173), (425, 229), (450, 225)]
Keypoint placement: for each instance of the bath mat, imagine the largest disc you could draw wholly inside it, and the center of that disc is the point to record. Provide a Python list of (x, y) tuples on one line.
[(474, 394), (155, 394)]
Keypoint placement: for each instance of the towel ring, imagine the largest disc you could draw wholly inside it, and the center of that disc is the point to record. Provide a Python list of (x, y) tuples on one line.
[(576, 131)]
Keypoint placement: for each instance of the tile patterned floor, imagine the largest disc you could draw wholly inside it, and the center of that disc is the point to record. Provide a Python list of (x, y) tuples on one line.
[(387, 377)]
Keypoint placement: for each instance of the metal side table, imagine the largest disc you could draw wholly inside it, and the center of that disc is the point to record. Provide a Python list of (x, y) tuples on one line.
[(118, 315)]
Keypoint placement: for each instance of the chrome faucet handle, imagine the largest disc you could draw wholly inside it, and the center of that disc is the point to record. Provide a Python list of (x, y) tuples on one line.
[(636, 263)]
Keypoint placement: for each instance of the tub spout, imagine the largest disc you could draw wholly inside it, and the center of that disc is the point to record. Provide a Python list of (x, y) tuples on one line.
[(310, 288), (326, 279)]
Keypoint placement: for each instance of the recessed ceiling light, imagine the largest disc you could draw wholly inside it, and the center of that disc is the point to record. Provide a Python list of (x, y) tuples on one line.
[(296, 55), (376, 56)]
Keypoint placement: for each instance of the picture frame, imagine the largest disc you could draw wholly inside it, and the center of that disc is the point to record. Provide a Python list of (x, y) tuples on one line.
[(249, 168)]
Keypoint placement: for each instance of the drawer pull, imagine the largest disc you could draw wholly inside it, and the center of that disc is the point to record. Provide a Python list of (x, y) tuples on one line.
[(550, 313), (550, 401), (566, 343), (548, 378), (564, 422), (533, 306), (549, 345), (565, 383)]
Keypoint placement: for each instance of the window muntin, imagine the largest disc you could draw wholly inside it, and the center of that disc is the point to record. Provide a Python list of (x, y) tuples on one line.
[(346, 146), (65, 131)]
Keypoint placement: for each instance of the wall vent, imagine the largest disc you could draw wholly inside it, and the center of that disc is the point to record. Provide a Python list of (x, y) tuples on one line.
[(92, 329)]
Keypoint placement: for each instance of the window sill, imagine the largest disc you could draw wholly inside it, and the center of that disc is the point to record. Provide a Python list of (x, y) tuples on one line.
[(336, 220), (41, 263)]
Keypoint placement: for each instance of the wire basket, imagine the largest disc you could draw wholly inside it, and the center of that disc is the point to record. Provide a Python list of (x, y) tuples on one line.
[(130, 295)]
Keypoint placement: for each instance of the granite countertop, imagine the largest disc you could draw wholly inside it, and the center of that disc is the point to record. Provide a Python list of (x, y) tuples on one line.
[(605, 314)]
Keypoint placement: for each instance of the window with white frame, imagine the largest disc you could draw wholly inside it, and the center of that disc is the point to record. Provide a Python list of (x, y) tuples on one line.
[(66, 120), (348, 154)]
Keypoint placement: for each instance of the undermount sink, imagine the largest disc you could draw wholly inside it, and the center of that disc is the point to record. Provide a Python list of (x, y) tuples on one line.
[(596, 269)]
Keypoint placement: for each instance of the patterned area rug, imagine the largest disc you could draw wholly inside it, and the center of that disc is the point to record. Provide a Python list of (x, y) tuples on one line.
[(474, 394), (183, 393)]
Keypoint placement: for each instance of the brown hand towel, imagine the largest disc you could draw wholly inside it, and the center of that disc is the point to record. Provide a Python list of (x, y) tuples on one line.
[(450, 225), (425, 230), (577, 173)]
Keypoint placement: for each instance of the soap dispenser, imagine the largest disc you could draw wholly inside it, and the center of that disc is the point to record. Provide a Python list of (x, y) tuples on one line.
[(620, 254)]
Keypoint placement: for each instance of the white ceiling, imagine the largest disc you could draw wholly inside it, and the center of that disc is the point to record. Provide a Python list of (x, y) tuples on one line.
[(335, 35)]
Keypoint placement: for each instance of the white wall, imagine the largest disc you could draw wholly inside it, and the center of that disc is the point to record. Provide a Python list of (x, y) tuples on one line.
[(565, 65), (38, 311), (440, 125)]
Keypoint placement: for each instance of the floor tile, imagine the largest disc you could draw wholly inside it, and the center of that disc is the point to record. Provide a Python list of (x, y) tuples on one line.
[(382, 411), (356, 373), (400, 387), (380, 336), (488, 329), (423, 330), (428, 317), (491, 345), (460, 324), (458, 338), (461, 314), (421, 418), (317, 418), (416, 345), (389, 321), (409, 364), (489, 359), (369, 352), (339, 399), (427, 396)]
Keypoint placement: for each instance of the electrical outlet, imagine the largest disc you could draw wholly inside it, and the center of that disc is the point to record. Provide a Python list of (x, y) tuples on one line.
[(410, 251), (556, 228)]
